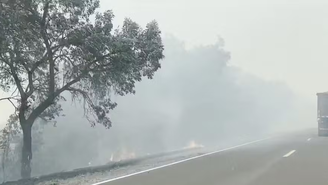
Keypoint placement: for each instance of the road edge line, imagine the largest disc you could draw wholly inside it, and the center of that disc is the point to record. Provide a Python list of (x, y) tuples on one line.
[(289, 153), (181, 161)]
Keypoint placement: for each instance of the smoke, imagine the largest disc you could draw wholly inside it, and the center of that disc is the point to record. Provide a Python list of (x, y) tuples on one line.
[(197, 99)]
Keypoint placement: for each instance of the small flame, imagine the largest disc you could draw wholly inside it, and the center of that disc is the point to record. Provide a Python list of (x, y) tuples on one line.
[(112, 157), (193, 144), (122, 155)]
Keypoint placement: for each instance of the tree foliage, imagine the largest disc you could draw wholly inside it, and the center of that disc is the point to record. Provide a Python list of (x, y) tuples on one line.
[(48, 47), (8, 136)]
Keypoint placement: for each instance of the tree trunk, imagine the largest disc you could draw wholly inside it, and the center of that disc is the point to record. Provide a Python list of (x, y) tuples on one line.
[(26, 151)]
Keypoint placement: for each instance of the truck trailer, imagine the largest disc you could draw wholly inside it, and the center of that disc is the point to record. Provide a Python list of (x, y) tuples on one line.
[(322, 113)]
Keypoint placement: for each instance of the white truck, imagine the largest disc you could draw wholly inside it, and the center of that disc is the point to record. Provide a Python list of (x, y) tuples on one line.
[(322, 113)]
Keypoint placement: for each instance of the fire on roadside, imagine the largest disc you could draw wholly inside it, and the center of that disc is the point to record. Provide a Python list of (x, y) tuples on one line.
[(122, 155), (193, 144)]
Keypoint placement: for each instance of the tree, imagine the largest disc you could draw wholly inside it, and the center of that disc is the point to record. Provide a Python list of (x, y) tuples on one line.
[(48, 47), (8, 139)]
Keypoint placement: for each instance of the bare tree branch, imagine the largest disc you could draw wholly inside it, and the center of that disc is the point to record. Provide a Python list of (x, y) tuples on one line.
[(13, 104), (83, 93), (17, 80), (14, 91), (39, 62), (45, 13), (30, 88), (49, 50), (45, 104), (10, 100)]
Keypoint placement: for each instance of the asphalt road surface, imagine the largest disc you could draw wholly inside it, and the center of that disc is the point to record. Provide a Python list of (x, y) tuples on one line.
[(295, 159)]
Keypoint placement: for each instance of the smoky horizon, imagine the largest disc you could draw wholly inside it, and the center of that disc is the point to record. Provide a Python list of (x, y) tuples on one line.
[(185, 75)]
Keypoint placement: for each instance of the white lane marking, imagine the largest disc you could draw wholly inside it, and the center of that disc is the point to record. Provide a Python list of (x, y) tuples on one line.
[(309, 139), (289, 153), (182, 161)]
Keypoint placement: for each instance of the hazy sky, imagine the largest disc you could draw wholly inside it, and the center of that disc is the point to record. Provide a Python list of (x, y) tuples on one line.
[(282, 40)]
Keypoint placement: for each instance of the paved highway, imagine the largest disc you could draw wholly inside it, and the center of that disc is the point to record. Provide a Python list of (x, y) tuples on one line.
[(297, 159)]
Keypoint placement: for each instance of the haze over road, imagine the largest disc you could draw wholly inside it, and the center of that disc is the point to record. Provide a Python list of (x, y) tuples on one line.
[(297, 159)]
